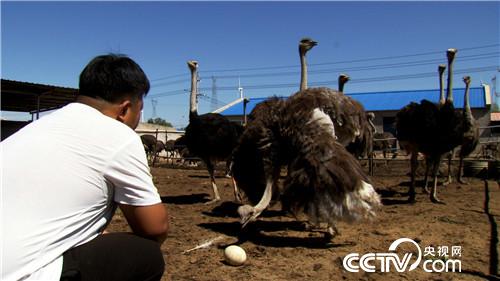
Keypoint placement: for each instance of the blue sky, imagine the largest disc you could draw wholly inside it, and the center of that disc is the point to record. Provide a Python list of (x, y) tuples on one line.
[(51, 42)]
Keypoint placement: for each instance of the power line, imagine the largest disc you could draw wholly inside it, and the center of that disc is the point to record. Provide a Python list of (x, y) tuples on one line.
[(334, 82), (328, 63), (363, 68), (413, 63)]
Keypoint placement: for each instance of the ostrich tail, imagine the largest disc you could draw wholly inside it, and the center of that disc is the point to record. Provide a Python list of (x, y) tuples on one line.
[(361, 202)]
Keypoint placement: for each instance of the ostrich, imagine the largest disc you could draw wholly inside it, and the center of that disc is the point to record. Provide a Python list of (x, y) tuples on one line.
[(170, 148), (442, 100), (305, 45), (210, 136), (324, 181), (430, 128), (384, 141), (149, 143), (348, 116), (363, 144), (470, 132)]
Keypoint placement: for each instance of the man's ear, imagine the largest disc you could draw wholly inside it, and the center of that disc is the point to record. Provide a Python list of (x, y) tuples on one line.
[(123, 110)]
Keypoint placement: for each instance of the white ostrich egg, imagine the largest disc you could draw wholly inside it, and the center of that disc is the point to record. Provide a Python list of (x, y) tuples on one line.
[(235, 255)]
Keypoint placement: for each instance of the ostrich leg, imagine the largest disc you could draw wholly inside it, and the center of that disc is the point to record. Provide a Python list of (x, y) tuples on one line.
[(210, 168), (413, 164), (435, 168), (229, 174), (428, 165), (459, 173), (237, 195), (449, 178)]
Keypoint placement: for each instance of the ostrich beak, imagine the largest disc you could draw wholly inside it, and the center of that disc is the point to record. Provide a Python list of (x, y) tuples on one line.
[(247, 219), (248, 213)]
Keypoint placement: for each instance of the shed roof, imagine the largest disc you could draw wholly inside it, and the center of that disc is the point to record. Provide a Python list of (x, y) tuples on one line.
[(32, 97), (387, 101)]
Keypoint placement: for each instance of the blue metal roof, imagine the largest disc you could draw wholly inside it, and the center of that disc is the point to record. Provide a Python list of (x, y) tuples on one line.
[(394, 100), (237, 109)]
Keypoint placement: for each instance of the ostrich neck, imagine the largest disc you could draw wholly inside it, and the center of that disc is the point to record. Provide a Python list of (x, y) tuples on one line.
[(370, 122), (303, 71), (266, 197), (450, 82), (193, 104), (441, 88), (467, 110)]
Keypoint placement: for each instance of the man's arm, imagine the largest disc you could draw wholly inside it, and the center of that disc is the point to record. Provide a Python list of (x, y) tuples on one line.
[(150, 222)]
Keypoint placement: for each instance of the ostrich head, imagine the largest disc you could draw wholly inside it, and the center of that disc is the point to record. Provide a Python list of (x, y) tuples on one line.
[(250, 213), (450, 53), (192, 64), (343, 78), (306, 44), (466, 80), (441, 68), (247, 214)]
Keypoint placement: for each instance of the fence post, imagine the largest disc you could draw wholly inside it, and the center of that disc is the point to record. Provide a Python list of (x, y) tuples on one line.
[(154, 148)]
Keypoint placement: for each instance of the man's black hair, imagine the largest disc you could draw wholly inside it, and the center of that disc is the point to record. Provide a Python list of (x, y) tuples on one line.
[(113, 77)]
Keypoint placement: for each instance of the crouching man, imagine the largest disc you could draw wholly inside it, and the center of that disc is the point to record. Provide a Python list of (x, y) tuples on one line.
[(63, 177)]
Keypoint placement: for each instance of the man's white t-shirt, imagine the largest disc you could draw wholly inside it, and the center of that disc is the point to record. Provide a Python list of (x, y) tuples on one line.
[(61, 178)]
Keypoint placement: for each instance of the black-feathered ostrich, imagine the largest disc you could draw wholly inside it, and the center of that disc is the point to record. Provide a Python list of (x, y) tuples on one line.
[(324, 181), (385, 142), (430, 128), (151, 145), (210, 136), (348, 116), (363, 144), (441, 102)]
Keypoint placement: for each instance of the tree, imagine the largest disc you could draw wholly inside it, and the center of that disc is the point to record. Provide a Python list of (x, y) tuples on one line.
[(159, 121)]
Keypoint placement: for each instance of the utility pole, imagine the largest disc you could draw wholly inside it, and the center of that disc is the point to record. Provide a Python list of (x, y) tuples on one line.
[(496, 94), (240, 89), (154, 102), (213, 104)]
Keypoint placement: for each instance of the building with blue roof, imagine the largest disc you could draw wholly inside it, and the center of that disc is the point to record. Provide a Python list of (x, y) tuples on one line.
[(385, 105)]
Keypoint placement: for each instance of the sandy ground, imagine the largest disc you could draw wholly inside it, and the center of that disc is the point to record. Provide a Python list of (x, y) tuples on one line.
[(280, 248)]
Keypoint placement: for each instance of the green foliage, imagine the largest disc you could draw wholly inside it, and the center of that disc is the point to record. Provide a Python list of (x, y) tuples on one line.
[(159, 121)]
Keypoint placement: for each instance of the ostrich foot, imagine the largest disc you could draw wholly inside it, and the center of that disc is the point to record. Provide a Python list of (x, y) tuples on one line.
[(306, 226), (435, 200), (331, 232), (463, 181), (238, 197), (448, 181), (411, 199), (215, 200)]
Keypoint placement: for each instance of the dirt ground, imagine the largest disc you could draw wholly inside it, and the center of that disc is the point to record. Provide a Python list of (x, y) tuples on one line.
[(279, 248)]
